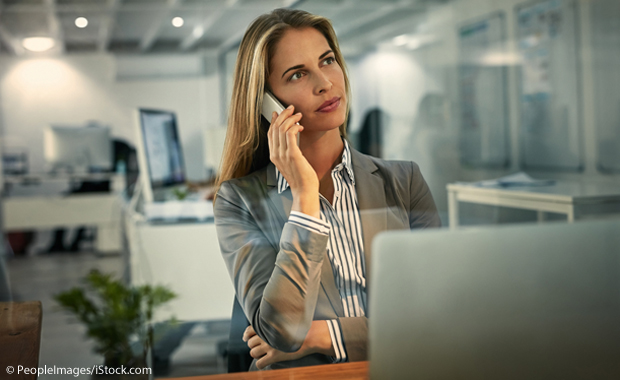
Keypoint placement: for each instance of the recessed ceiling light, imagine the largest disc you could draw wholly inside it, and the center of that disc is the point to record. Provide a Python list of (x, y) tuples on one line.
[(178, 22), (420, 40), (81, 22), (198, 31), (401, 40), (38, 44)]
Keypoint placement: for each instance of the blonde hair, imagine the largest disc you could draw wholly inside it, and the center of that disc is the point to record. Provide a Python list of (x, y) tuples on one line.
[(246, 148)]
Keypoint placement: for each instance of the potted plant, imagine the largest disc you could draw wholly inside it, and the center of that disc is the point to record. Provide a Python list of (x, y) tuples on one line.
[(116, 316)]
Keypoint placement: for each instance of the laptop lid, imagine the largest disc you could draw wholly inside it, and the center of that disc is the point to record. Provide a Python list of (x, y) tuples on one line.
[(517, 302)]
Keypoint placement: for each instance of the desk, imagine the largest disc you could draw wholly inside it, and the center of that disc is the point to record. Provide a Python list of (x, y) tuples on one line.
[(186, 257), (574, 199), (20, 337), (102, 210), (347, 371), (34, 179)]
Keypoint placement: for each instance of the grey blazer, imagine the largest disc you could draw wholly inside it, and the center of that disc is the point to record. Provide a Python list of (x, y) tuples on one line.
[(281, 273)]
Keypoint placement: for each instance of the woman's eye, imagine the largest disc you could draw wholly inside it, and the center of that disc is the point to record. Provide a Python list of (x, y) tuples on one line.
[(295, 76), (329, 61)]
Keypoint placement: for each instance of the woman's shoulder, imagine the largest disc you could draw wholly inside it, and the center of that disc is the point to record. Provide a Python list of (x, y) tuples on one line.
[(247, 187)]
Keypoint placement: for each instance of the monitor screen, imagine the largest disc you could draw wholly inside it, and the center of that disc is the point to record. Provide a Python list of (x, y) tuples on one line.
[(162, 148), (78, 147)]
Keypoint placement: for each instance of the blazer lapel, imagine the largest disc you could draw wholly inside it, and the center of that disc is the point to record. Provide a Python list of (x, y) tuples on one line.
[(370, 189)]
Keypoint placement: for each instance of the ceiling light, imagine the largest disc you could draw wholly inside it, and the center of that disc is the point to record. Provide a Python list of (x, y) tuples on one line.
[(415, 43), (178, 22), (81, 22), (401, 40), (420, 40), (38, 44), (198, 31)]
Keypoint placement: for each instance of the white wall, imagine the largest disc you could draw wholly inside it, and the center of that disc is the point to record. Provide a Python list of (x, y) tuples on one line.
[(36, 92), (75, 89), (396, 79)]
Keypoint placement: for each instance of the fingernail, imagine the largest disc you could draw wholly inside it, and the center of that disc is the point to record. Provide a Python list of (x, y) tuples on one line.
[(290, 107)]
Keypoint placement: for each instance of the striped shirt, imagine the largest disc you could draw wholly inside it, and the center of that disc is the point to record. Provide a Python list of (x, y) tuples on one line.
[(345, 249)]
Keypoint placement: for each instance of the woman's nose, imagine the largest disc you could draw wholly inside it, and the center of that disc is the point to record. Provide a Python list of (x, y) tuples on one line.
[(323, 84)]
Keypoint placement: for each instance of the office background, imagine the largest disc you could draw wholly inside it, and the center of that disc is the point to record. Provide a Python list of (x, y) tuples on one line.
[(469, 89), (405, 58)]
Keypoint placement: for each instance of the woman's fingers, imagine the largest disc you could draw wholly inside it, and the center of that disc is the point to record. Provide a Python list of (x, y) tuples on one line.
[(254, 341), (248, 333), (277, 134), (279, 119), (283, 129), (273, 134), (287, 157), (288, 111), (260, 351), (267, 359), (291, 134)]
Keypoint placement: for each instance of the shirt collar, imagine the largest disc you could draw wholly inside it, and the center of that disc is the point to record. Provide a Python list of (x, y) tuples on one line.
[(345, 163)]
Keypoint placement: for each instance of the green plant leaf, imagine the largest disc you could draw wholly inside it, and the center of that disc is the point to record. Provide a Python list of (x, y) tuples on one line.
[(114, 313)]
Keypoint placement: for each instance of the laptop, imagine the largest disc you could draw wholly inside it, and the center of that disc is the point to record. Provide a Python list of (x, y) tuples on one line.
[(519, 302)]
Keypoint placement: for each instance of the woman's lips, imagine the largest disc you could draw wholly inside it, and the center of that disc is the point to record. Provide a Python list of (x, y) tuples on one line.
[(329, 105)]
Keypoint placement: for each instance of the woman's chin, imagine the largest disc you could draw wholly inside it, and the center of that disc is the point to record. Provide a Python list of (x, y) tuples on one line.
[(321, 127), (324, 123)]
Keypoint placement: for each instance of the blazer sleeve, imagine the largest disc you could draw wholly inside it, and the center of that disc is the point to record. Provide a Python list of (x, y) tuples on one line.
[(278, 287), (355, 337), (422, 209)]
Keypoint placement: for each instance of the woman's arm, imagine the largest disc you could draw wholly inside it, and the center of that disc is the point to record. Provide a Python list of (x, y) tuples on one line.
[(277, 287), (317, 341)]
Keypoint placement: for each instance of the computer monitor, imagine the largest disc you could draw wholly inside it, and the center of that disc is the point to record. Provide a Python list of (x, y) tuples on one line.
[(520, 302), (160, 157), (78, 148)]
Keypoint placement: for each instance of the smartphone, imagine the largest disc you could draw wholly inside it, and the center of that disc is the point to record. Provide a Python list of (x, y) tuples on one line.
[(270, 104)]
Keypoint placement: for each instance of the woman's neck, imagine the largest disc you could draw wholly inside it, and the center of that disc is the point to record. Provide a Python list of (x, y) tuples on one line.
[(323, 150)]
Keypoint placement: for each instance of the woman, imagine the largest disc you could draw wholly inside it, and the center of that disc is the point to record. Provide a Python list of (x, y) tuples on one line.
[(295, 223)]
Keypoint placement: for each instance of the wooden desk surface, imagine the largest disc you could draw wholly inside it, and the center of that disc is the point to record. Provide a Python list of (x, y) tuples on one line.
[(349, 371), (20, 337)]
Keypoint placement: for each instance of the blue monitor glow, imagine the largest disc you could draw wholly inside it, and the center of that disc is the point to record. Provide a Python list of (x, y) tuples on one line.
[(159, 152)]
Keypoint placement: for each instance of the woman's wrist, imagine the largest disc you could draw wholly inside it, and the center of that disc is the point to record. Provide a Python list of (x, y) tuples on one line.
[(318, 339), (307, 203)]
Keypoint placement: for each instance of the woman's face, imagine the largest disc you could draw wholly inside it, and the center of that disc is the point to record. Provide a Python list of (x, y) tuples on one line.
[(304, 73)]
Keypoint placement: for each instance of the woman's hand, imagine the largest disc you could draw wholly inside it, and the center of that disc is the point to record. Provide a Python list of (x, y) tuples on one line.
[(267, 355), (317, 340), (286, 155)]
